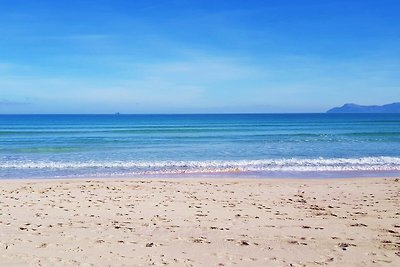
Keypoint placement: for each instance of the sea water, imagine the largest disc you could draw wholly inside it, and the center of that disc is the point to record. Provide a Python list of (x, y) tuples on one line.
[(240, 145)]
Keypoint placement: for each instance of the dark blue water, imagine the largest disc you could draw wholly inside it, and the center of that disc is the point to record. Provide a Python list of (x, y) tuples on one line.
[(243, 144)]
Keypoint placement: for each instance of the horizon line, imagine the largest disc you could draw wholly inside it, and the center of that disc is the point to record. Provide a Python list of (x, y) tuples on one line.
[(213, 113)]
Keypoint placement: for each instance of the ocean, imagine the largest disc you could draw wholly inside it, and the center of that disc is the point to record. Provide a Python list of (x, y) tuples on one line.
[(234, 145)]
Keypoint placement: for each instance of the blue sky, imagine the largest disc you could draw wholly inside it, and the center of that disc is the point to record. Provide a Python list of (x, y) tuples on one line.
[(97, 56)]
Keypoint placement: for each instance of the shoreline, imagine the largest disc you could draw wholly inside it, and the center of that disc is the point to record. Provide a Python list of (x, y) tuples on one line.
[(200, 222), (220, 176), (194, 178)]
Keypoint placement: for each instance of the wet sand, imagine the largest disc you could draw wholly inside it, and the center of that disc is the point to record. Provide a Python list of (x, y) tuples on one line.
[(207, 222)]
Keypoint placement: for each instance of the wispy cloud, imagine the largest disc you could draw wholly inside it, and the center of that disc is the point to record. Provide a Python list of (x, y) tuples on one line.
[(88, 37), (6, 102), (151, 87), (6, 66), (203, 68)]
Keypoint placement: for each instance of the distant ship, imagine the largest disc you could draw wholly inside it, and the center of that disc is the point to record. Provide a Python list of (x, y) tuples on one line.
[(117, 113)]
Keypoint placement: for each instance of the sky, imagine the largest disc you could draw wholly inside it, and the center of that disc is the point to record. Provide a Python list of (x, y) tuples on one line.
[(205, 56)]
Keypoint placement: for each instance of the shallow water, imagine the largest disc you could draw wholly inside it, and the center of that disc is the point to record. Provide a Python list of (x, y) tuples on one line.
[(248, 145)]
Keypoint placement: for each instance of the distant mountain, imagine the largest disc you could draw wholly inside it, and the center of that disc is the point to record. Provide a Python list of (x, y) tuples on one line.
[(353, 108)]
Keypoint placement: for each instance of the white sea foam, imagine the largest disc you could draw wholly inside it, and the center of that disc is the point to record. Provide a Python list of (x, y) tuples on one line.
[(211, 166)]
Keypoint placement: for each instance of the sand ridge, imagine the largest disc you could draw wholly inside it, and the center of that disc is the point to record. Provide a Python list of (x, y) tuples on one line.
[(200, 222)]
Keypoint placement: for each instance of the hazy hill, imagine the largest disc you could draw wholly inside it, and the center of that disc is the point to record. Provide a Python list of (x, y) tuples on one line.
[(354, 108)]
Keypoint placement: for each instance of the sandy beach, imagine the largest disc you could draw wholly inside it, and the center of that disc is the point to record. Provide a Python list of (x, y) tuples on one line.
[(207, 222)]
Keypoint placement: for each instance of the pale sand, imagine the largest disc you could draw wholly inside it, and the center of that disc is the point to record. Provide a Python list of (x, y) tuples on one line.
[(209, 222)]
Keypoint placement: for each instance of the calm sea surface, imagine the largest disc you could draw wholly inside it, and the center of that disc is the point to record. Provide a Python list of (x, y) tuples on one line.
[(248, 145)]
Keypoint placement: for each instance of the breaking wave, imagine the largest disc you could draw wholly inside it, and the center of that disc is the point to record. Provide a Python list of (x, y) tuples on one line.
[(214, 166)]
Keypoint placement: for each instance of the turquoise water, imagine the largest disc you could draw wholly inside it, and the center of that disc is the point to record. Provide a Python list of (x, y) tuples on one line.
[(254, 145)]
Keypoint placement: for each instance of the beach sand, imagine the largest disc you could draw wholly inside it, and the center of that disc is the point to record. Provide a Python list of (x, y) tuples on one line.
[(200, 222)]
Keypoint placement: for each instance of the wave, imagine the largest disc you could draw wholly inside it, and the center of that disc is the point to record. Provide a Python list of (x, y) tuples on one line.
[(47, 150), (215, 166)]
